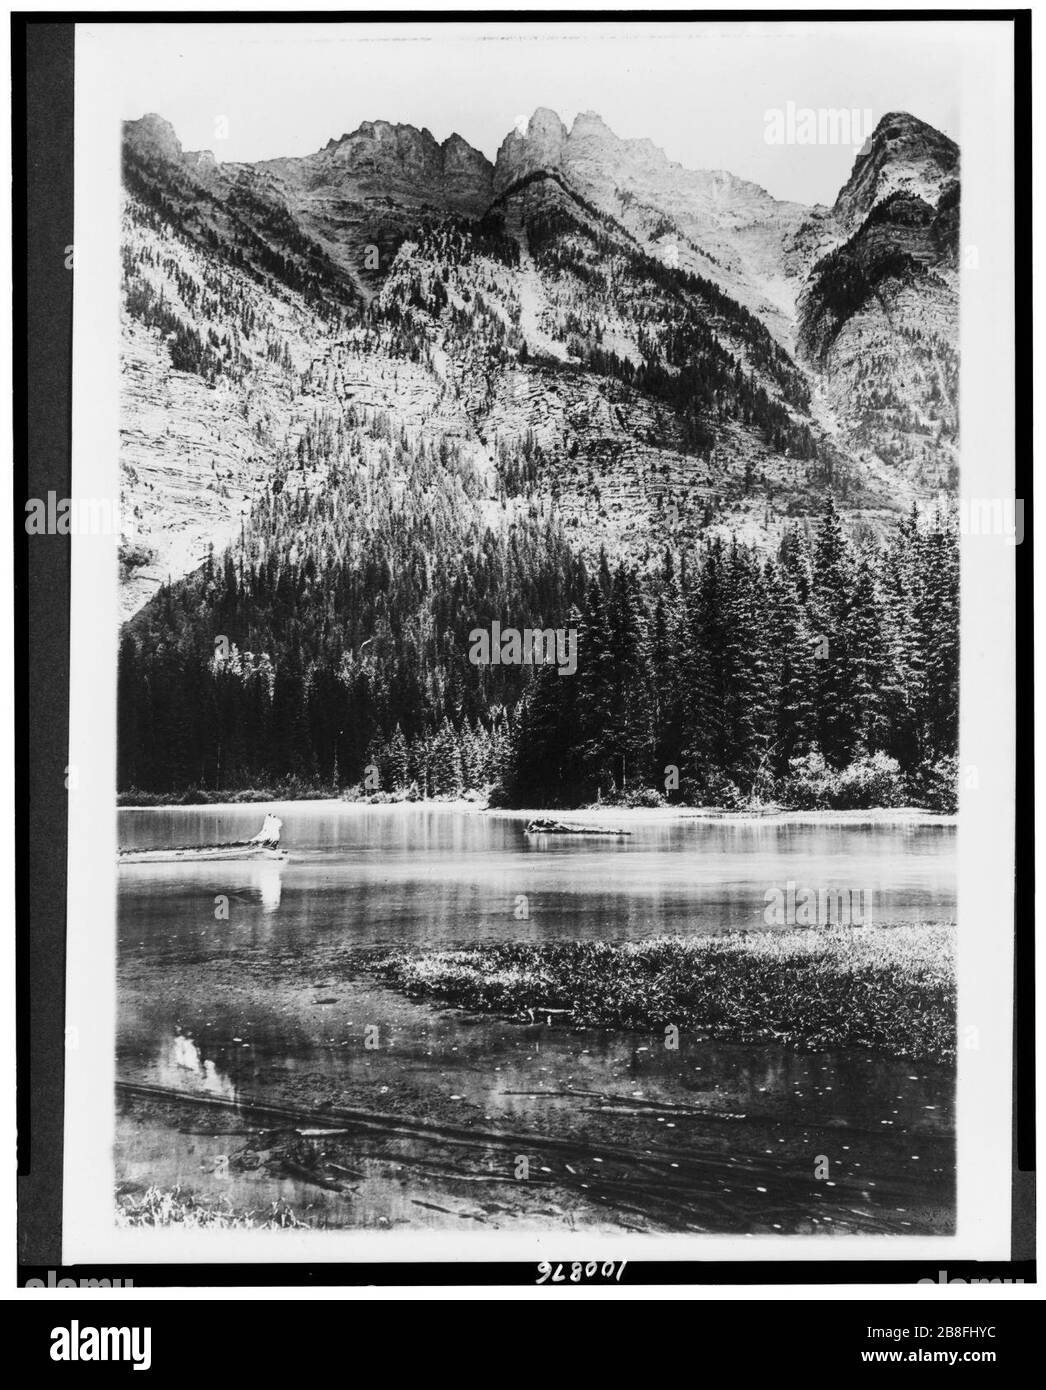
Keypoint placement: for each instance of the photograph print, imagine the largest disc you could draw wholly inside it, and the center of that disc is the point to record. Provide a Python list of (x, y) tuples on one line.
[(537, 665)]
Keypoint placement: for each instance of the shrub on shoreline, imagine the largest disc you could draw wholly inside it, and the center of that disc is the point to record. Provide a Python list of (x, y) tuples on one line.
[(875, 781)]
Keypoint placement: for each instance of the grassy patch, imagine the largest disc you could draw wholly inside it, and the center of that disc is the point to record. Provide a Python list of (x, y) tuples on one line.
[(157, 1206), (887, 988)]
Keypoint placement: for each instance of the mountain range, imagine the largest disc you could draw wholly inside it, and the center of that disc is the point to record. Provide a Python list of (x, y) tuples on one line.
[(648, 354)]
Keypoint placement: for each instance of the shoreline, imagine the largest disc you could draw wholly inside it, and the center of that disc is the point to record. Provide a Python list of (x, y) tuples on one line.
[(598, 815)]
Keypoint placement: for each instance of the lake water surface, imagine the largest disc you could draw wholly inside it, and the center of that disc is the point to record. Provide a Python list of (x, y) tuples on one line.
[(219, 1006), (437, 877)]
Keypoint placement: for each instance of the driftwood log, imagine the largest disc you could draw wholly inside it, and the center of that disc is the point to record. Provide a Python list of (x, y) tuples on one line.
[(543, 826)]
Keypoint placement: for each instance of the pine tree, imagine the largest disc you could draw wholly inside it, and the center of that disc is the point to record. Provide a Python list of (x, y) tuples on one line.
[(447, 778), (594, 697), (396, 761), (750, 674), (704, 694), (792, 679), (628, 731), (869, 662), (829, 604), (472, 756), (418, 765), (794, 556)]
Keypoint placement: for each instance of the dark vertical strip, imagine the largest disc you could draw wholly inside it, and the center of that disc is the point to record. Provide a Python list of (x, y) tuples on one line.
[(42, 182), (1023, 1215)]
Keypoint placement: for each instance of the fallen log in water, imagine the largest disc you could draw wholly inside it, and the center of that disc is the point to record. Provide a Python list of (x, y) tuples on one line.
[(670, 1186), (543, 826), (264, 845), (201, 854), (401, 1126)]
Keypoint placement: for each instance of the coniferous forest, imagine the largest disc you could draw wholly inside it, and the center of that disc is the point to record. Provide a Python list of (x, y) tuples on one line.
[(328, 649)]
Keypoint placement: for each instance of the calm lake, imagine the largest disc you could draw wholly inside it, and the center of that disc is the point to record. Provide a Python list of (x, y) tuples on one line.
[(257, 1005), (436, 877)]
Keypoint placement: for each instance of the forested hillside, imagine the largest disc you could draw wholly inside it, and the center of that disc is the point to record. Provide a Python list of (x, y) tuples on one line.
[(330, 647)]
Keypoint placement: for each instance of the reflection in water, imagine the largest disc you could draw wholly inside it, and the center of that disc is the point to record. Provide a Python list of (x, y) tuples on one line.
[(206, 897), (270, 885), (181, 1065)]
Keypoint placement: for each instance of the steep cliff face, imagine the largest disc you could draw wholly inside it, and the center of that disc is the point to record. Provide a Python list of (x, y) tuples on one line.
[(878, 315), (540, 146), (654, 352)]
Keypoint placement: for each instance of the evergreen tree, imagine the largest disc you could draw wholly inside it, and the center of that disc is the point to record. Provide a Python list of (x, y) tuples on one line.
[(829, 604), (397, 762), (869, 662), (447, 778)]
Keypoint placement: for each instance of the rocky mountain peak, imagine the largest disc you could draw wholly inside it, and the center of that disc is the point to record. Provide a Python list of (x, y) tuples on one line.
[(405, 145), (461, 157), (153, 134), (591, 138), (545, 124), (412, 161), (540, 147), (903, 154), (585, 120), (153, 137), (590, 149), (382, 144)]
